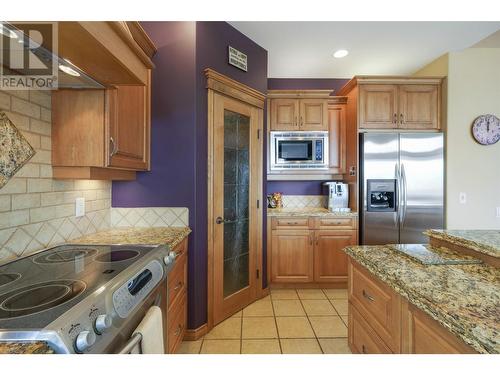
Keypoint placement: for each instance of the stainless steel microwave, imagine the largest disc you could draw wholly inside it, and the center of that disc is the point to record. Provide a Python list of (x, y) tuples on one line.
[(298, 150)]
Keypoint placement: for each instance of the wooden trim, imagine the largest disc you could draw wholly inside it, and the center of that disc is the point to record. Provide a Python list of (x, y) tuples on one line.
[(124, 32), (210, 211), (196, 334), (388, 80), (92, 173), (234, 89), (142, 38), (300, 94), (334, 100), (492, 261)]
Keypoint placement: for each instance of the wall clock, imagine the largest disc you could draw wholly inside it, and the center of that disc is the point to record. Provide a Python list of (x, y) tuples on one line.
[(486, 129)]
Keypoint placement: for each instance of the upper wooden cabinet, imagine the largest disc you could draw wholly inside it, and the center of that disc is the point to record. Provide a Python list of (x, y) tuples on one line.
[(100, 134), (285, 114), (378, 106), (103, 133), (299, 110), (128, 127), (396, 102), (337, 139)]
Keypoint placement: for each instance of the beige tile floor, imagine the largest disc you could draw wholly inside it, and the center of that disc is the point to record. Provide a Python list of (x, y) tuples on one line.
[(288, 321)]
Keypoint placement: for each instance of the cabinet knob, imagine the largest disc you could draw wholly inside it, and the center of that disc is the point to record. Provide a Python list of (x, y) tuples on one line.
[(401, 119)]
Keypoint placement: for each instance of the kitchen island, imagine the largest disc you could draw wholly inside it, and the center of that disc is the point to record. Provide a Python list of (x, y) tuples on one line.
[(463, 299)]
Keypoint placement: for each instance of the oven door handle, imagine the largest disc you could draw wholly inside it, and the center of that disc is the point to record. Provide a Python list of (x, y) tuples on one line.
[(136, 339)]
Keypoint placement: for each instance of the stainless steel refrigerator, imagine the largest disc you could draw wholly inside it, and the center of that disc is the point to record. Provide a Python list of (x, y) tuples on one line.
[(402, 186)]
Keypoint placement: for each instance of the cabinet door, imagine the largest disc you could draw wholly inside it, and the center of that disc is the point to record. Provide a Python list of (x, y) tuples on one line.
[(292, 256), (378, 106), (313, 114), (419, 106), (337, 139), (427, 336), (330, 262), (128, 122), (284, 114)]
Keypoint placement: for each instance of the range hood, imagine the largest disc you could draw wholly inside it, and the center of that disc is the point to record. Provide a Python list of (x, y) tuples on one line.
[(69, 75)]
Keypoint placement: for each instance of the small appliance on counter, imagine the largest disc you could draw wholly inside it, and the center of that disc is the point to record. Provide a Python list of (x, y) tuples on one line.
[(338, 196)]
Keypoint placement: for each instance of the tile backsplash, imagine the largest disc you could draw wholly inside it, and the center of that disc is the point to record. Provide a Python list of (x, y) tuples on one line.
[(301, 201), (150, 217), (37, 211)]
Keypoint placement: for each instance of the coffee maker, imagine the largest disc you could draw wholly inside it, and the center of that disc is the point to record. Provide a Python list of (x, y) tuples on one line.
[(338, 196)]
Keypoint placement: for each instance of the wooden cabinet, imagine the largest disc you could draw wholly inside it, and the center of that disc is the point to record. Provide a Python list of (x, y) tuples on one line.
[(330, 262), (378, 106), (337, 139), (313, 114), (418, 106), (423, 335), (284, 114), (129, 127), (299, 110), (177, 299), (292, 256), (302, 254), (100, 134), (381, 321), (395, 102), (378, 303)]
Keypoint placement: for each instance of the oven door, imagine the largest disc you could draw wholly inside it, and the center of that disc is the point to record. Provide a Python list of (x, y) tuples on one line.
[(125, 342)]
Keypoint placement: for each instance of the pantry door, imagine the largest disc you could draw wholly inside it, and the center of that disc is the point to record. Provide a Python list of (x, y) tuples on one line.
[(236, 204)]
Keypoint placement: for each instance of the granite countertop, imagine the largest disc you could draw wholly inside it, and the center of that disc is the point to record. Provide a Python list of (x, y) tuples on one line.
[(22, 347), (483, 241), (465, 299), (170, 236), (308, 211)]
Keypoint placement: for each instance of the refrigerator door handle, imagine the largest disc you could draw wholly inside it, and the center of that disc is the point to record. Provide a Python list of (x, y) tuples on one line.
[(404, 195), (398, 195)]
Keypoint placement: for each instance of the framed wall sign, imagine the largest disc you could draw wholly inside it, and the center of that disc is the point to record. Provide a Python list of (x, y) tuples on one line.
[(238, 59)]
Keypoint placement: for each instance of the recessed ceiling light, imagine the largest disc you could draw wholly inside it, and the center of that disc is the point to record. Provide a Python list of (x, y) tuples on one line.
[(341, 53), (7, 32), (66, 69)]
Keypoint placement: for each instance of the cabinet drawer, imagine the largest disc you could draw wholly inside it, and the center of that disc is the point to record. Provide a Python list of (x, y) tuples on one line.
[(377, 303), (177, 280), (362, 339), (177, 319), (291, 223), (333, 223)]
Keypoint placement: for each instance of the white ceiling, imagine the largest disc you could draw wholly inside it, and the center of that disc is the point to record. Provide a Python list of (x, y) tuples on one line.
[(305, 49)]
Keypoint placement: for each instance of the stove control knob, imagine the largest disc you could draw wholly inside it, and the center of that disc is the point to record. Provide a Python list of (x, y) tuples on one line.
[(169, 258), (103, 323), (84, 340)]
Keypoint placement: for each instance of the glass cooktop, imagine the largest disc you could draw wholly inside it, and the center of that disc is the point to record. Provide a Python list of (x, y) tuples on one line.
[(37, 289)]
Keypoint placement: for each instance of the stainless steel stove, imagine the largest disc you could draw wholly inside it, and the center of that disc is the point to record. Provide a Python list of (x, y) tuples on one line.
[(79, 298)]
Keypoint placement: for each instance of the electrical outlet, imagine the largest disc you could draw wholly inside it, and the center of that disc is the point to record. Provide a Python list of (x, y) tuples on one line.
[(462, 198), (79, 207), (498, 211)]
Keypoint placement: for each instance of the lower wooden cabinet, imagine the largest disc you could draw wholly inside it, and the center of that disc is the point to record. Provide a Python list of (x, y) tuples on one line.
[(300, 253), (292, 256), (330, 262), (423, 335), (381, 321), (177, 299)]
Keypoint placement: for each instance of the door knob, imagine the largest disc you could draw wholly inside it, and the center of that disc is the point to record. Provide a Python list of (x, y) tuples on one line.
[(219, 220)]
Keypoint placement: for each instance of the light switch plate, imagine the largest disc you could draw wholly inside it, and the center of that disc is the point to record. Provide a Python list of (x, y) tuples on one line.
[(462, 198), (79, 207)]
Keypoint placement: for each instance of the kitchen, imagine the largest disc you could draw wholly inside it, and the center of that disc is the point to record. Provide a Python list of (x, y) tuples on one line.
[(184, 190)]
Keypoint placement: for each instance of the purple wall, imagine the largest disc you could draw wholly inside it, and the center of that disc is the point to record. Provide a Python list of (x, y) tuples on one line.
[(296, 187), (178, 175)]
